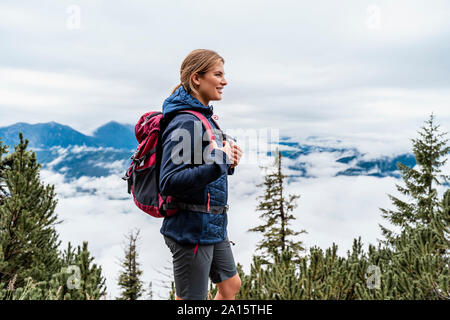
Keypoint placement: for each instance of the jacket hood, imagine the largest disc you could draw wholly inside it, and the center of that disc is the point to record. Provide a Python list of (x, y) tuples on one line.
[(181, 100)]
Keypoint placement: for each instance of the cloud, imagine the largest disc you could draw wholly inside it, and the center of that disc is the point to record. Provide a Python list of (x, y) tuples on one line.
[(81, 149), (310, 70), (331, 209), (323, 164), (62, 153), (115, 166), (103, 219)]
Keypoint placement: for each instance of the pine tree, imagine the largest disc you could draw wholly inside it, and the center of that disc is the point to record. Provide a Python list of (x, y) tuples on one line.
[(275, 208), (31, 266), (172, 292), (130, 278), (420, 183), (28, 239), (417, 258), (167, 282), (77, 280), (3, 163), (82, 278), (213, 289), (411, 265), (320, 275), (421, 260), (150, 291)]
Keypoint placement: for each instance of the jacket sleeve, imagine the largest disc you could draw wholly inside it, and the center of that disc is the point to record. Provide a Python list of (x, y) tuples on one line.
[(184, 177)]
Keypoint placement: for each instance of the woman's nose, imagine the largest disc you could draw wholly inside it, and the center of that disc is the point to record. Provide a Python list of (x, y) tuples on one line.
[(224, 82)]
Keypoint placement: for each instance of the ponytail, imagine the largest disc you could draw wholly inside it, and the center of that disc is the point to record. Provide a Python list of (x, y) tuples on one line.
[(175, 89)]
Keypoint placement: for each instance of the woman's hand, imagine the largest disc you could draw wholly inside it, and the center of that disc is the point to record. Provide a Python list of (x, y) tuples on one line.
[(227, 148), (237, 154)]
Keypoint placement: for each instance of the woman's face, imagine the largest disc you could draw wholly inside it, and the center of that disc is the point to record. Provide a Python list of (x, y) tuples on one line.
[(211, 84)]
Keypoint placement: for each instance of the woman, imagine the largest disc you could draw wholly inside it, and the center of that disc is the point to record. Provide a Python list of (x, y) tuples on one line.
[(198, 237)]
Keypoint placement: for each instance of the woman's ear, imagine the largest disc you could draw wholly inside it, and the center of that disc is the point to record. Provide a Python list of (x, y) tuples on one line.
[(195, 79)]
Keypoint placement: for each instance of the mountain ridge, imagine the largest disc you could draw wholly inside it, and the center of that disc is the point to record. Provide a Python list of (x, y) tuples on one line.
[(107, 151), (51, 134)]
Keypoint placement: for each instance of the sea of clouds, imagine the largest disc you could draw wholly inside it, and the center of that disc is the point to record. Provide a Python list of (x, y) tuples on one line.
[(332, 209)]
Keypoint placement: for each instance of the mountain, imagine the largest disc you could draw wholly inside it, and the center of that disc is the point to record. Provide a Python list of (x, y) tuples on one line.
[(52, 134), (116, 135), (45, 135), (75, 162), (65, 150), (380, 167), (62, 149)]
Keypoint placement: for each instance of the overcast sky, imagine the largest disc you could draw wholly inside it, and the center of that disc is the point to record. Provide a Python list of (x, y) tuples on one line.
[(359, 70), (367, 72)]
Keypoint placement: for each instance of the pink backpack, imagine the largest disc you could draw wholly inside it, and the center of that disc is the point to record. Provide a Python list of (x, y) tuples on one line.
[(143, 174)]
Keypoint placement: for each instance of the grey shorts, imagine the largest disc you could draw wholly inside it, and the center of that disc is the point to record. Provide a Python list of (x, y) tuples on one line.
[(192, 270)]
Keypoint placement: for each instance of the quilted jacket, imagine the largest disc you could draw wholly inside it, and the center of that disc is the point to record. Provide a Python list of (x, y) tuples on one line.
[(200, 180)]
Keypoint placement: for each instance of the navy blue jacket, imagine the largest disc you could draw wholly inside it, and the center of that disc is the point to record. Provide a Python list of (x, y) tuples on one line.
[(193, 181)]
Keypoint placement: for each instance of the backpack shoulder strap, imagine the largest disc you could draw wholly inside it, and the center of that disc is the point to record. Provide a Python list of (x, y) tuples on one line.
[(215, 122), (224, 135), (204, 121)]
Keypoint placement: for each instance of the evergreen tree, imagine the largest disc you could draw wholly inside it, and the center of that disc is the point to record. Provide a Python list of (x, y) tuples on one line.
[(82, 278), (28, 239), (428, 149), (3, 190), (317, 276), (130, 278), (276, 208), (77, 280), (31, 266), (421, 260), (172, 292), (417, 258), (167, 282), (418, 266), (150, 291)]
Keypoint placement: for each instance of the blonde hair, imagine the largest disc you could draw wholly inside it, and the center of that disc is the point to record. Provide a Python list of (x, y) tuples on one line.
[(198, 61)]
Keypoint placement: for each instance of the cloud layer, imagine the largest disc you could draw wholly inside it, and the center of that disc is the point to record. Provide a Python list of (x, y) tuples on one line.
[(331, 209)]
